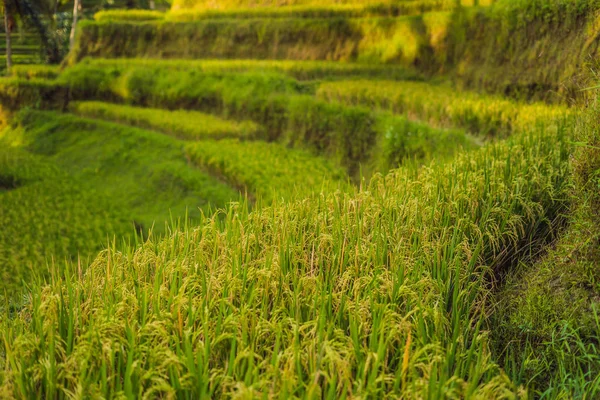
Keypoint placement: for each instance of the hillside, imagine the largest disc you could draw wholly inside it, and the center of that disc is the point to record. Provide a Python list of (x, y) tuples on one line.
[(299, 199)]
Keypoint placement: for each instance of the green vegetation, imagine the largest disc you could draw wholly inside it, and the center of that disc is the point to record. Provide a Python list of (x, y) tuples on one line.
[(336, 298), (174, 89), (48, 217), (301, 199), (35, 71), (403, 142), (128, 15), (189, 125), (26, 49), (498, 57), (401, 40), (16, 93), (313, 11), (502, 57), (348, 135), (442, 105), (267, 170), (550, 308), (270, 5), (145, 173), (301, 70), (68, 186)]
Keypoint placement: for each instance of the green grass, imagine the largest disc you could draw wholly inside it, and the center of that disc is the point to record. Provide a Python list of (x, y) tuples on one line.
[(375, 293), (301, 70), (467, 273), (312, 10), (17, 93), (404, 41), (179, 88), (350, 136), (143, 172), (499, 57), (182, 124), (504, 54), (271, 5), (22, 55), (48, 217), (236, 4), (35, 71), (402, 142), (128, 15), (549, 327), (443, 105), (267, 170)]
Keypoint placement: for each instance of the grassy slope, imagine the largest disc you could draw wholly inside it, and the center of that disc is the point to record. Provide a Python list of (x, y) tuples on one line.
[(145, 172), (178, 83), (345, 7), (17, 93), (294, 11), (267, 170), (533, 316), (442, 105), (374, 40), (35, 71), (45, 214), (364, 294), (301, 70), (182, 124), (351, 136), (539, 48), (69, 185), (548, 311), (499, 55)]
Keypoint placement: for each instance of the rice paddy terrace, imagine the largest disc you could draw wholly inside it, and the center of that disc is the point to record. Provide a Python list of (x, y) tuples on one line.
[(257, 199)]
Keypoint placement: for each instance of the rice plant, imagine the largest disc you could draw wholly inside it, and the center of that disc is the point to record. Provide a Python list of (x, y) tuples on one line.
[(443, 105), (183, 124), (267, 170), (382, 292)]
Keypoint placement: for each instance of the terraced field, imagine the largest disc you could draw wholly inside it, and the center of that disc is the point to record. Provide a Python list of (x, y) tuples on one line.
[(26, 49), (305, 200)]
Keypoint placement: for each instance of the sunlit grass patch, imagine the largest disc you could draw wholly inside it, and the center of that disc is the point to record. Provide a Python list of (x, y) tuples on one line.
[(145, 173), (183, 124), (444, 105), (267, 170), (301, 70)]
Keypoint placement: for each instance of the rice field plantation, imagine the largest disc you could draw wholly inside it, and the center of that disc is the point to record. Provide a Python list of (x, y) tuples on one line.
[(296, 199), (183, 124)]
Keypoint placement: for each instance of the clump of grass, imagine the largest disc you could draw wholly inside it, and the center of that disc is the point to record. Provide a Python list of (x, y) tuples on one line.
[(375, 293), (266, 170), (183, 124)]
